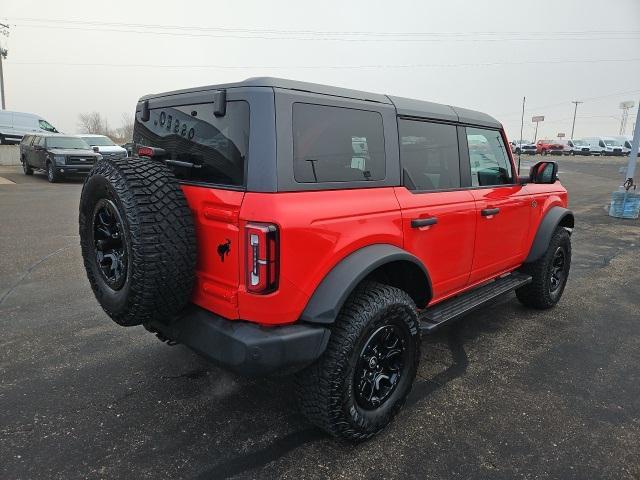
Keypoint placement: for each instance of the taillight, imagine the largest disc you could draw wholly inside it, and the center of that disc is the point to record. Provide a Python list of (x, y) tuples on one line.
[(262, 257), (145, 152), (151, 152)]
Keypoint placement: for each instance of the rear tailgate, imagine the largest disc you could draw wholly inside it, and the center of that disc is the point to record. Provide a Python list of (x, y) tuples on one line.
[(216, 216)]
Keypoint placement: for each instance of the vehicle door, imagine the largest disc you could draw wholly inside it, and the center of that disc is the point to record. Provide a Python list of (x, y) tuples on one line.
[(503, 207), (438, 216), (38, 152)]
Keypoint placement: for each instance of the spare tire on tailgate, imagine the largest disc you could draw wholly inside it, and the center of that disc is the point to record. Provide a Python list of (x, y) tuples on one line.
[(138, 240)]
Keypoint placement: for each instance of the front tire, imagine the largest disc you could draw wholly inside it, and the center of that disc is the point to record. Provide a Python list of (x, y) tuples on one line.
[(364, 376), (52, 175), (549, 273)]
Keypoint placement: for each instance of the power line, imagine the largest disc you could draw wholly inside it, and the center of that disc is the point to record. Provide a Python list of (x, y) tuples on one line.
[(332, 67), (328, 36), (321, 32)]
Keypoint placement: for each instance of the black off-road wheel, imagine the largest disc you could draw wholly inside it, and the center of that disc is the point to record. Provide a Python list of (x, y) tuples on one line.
[(549, 273), (26, 168), (138, 240), (364, 376)]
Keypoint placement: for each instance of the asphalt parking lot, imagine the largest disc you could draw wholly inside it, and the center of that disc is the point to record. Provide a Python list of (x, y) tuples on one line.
[(505, 393)]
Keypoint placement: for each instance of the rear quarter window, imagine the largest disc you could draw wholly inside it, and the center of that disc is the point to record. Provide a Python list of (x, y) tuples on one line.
[(213, 149), (337, 144)]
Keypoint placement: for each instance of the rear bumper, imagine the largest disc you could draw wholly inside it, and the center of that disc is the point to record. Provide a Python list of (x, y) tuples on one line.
[(243, 347)]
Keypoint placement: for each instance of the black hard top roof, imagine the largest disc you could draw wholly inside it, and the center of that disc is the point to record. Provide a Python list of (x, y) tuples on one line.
[(404, 106)]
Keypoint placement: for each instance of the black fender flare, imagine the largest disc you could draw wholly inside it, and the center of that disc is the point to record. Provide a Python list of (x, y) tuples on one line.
[(329, 297), (554, 217)]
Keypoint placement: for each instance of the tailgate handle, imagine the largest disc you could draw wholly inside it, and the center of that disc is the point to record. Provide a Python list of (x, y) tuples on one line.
[(423, 222), (487, 212)]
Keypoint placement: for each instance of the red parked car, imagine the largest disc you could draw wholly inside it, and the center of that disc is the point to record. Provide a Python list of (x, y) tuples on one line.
[(285, 227), (553, 147)]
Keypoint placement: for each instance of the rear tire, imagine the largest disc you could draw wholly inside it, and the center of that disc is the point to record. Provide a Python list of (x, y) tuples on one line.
[(362, 379), (26, 168), (138, 240), (549, 273)]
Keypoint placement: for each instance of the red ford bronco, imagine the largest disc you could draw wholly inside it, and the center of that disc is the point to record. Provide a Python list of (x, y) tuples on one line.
[(276, 226)]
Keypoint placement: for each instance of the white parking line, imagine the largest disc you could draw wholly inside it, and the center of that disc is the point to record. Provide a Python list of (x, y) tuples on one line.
[(6, 181)]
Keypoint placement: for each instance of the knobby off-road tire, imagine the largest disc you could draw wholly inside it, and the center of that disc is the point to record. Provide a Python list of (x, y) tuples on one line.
[(138, 240), (329, 392), (549, 273)]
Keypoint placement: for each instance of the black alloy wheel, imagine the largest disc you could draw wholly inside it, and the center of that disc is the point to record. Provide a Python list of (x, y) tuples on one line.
[(111, 252), (381, 364), (558, 270)]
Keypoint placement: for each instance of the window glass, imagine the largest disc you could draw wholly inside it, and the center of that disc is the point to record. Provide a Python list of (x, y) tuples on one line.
[(101, 141), (44, 125), (490, 164), (73, 143), (429, 155), (39, 141), (335, 144), (26, 140), (211, 149)]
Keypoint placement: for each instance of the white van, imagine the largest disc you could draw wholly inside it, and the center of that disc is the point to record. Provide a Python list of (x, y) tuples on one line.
[(14, 125), (625, 140), (604, 145)]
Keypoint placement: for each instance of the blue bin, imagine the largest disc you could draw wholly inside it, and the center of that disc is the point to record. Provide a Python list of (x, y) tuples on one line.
[(625, 204)]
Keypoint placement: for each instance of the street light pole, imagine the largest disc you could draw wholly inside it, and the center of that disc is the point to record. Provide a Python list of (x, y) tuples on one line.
[(575, 110)]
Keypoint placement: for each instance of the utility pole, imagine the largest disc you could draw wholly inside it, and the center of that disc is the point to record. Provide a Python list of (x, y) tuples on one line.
[(3, 55), (575, 110), (519, 144)]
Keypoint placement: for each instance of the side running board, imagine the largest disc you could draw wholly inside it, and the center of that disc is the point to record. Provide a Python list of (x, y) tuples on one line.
[(433, 318)]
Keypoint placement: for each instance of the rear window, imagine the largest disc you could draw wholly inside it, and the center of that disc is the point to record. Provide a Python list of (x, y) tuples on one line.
[(336, 144), (212, 149), (429, 155)]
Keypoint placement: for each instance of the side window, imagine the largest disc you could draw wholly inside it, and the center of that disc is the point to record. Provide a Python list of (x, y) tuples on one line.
[(44, 125), (26, 140), (429, 155), (336, 144), (490, 164), (601, 143), (38, 141)]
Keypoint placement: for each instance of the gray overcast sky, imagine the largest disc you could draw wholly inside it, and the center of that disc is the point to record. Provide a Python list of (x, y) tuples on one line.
[(449, 51)]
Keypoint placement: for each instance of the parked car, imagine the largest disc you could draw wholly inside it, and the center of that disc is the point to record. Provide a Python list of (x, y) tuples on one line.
[(277, 226), (104, 145), (604, 146), (523, 146), (129, 147), (14, 125), (58, 155), (545, 147), (575, 147)]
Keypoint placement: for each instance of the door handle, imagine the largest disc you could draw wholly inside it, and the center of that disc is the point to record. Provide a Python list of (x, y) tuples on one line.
[(423, 222), (486, 212)]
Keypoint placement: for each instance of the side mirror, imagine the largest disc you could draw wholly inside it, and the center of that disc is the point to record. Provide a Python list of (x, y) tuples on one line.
[(95, 149), (544, 172), (38, 148)]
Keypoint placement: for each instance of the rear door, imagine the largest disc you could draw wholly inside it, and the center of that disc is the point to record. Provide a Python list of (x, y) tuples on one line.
[(503, 207), (208, 155), (438, 217)]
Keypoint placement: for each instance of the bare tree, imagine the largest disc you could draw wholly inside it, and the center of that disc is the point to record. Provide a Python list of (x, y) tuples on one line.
[(125, 132), (93, 123)]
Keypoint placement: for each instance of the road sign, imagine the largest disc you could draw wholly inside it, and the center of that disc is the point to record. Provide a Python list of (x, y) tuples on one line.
[(537, 118), (560, 134)]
